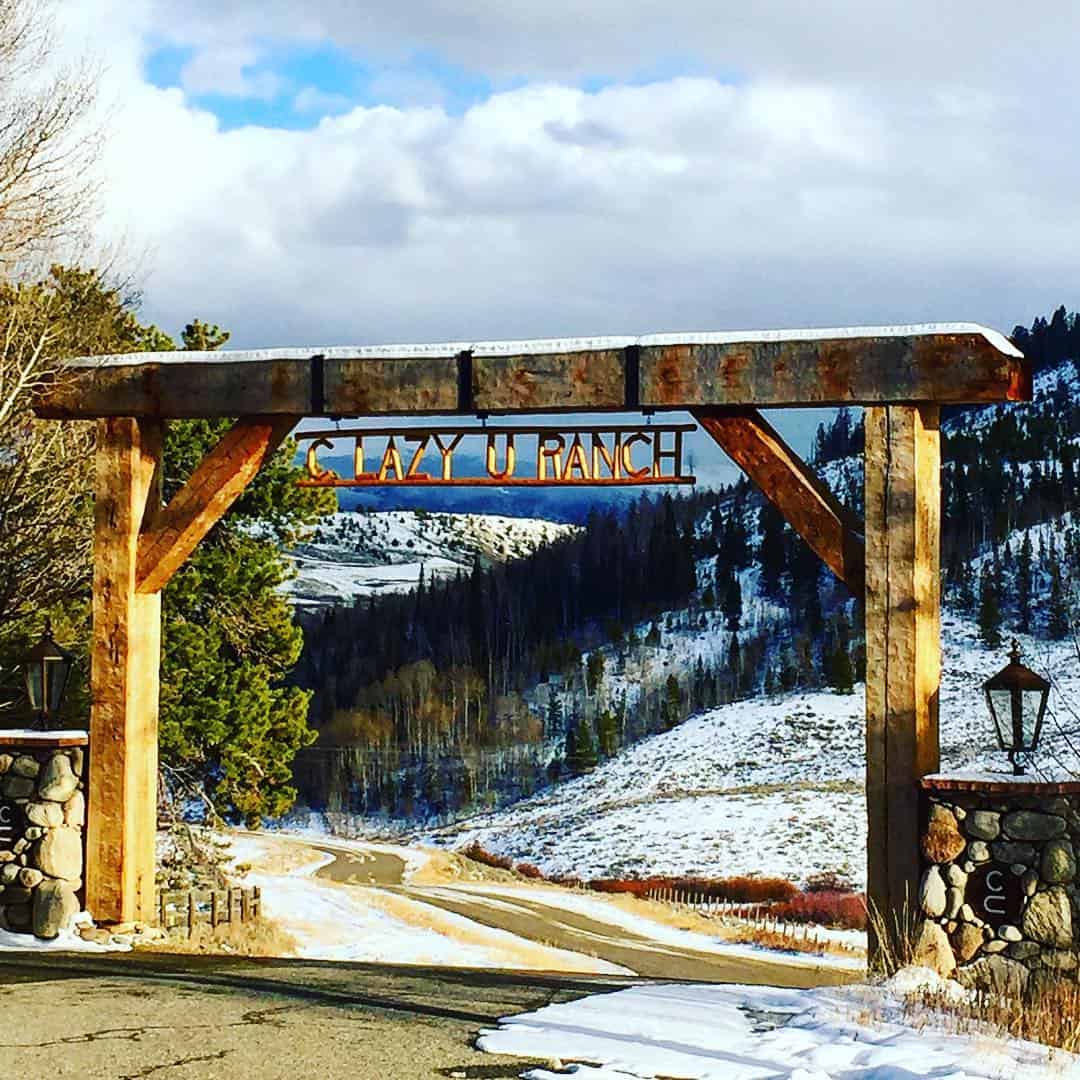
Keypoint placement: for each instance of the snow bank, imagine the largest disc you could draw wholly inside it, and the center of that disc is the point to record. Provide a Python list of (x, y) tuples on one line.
[(67, 941), (759, 1033)]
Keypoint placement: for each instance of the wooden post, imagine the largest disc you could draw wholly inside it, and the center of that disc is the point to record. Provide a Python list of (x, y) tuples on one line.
[(122, 808), (903, 652)]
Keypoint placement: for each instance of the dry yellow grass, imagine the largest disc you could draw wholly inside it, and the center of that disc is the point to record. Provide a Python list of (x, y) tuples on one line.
[(772, 939), (1050, 1014), (260, 937)]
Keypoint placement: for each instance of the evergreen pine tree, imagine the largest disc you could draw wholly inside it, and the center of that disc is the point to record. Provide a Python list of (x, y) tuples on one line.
[(965, 589), (1057, 625), (553, 721), (989, 607), (581, 753), (772, 550), (594, 672), (570, 752), (733, 603), (228, 719), (773, 685), (734, 664), (671, 708), (607, 732), (1023, 585), (839, 669)]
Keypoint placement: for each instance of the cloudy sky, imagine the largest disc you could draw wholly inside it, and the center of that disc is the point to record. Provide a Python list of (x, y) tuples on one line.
[(410, 170)]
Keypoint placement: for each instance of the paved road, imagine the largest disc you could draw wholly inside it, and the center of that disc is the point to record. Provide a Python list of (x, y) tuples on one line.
[(166, 1017), (550, 924), (370, 867)]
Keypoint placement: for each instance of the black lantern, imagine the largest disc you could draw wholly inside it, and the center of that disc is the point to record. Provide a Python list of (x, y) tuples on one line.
[(47, 669), (1017, 700)]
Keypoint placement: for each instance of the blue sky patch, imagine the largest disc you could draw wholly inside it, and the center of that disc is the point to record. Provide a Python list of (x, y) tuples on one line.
[(294, 88), (309, 84)]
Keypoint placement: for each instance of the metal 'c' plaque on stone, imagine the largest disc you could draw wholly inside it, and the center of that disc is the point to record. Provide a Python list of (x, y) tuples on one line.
[(560, 457), (995, 894), (8, 812)]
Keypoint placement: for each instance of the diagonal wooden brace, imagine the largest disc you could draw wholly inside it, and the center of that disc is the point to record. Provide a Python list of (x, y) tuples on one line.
[(175, 530), (809, 507)]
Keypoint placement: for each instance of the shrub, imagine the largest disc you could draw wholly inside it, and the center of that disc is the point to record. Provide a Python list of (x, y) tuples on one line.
[(528, 870), (739, 890), (846, 910), (828, 881), (477, 853), (568, 881)]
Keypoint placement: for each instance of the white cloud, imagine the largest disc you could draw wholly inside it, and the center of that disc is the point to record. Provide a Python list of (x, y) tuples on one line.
[(312, 100), (801, 193), (965, 42), (226, 70)]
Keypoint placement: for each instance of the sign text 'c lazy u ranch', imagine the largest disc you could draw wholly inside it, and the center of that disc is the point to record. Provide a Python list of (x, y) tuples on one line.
[(562, 457)]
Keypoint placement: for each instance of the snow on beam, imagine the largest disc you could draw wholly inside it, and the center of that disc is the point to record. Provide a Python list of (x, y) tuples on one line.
[(937, 362)]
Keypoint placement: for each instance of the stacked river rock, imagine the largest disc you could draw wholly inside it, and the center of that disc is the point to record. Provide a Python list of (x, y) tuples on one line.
[(999, 896), (43, 810)]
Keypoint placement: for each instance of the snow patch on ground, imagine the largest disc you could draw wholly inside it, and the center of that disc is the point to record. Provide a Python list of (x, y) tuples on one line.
[(715, 1032), (67, 941)]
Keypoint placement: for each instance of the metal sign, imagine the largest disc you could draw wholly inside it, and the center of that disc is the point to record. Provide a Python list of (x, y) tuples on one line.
[(8, 836), (562, 457), (995, 894)]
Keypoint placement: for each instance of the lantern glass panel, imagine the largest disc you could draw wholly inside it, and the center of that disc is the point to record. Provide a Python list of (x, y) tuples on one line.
[(35, 674), (55, 677), (1032, 707), (1001, 707)]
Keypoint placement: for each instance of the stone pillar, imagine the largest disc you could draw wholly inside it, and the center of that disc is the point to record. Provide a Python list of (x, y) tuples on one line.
[(1000, 893), (42, 817)]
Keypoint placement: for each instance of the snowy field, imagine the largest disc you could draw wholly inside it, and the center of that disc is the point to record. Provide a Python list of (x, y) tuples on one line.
[(787, 772), (715, 1032), (363, 554)]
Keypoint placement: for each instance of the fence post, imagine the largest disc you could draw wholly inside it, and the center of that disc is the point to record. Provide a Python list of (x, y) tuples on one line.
[(213, 908), (191, 913)]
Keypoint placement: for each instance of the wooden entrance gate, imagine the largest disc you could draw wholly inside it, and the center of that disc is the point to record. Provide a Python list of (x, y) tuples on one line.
[(901, 375)]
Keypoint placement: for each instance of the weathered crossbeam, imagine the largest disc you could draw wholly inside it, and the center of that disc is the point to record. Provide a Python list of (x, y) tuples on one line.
[(942, 363), (807, 504)]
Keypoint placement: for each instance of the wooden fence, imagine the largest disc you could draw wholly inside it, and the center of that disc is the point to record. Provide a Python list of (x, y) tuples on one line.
[(212, 907), (757, 916)]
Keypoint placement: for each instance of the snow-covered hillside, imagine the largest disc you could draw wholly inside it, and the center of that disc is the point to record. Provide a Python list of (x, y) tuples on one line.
[(357, 554), (788, 770), (761, 786)]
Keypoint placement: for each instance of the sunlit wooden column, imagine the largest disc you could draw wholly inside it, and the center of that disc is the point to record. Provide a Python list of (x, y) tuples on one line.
[(903, 649), (122, 805)]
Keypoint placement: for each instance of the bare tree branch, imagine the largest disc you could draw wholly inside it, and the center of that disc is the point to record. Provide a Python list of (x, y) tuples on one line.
[(48, 145)]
